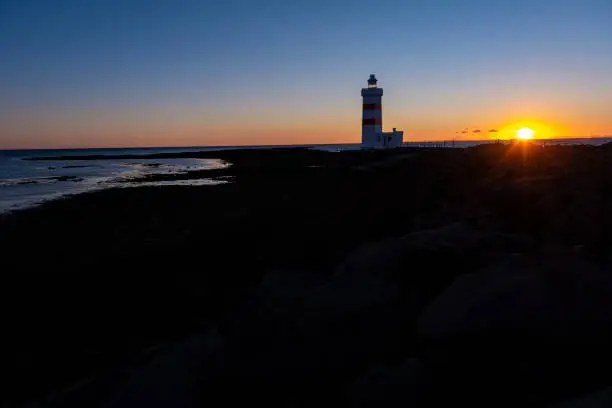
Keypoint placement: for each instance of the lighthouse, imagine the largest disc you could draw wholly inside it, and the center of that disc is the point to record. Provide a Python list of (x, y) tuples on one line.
[(372, 135)]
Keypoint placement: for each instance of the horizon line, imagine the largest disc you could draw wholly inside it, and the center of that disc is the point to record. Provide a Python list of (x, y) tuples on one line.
[(295, 145)]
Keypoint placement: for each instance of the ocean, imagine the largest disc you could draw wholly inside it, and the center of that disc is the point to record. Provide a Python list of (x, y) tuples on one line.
[(26, 183)]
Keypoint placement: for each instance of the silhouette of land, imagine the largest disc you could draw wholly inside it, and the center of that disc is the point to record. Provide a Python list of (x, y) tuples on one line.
[(365, 278)]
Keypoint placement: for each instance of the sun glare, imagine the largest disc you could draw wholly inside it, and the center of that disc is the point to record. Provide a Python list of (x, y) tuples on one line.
[(525, 133)]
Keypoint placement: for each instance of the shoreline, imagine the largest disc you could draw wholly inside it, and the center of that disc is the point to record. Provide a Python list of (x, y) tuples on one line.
[(241, 159), (33, 183)]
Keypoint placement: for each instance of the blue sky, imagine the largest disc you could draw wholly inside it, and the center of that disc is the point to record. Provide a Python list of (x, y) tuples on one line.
[(177, 72)]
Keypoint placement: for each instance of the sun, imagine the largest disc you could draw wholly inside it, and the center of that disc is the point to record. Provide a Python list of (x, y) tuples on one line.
[(525, 133)]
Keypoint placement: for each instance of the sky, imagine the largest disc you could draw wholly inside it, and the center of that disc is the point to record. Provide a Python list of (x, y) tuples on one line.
[(113, 73)]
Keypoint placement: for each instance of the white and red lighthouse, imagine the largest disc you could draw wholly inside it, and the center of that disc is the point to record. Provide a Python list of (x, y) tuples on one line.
[(372, 134)]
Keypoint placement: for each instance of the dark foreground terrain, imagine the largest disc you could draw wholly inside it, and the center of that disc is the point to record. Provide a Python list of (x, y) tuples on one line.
[(477, 276)]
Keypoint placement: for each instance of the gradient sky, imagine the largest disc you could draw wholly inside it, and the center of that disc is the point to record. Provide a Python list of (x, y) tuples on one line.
[(98, 73)]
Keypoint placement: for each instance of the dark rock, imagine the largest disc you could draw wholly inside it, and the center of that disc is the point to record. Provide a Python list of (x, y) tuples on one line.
[(534, 332), (273, 351), (286, 284), (419, 265), (386, 386), (454, 249), (301, 333), (599, 399), (170, 379), (162, 376), (67, 178)]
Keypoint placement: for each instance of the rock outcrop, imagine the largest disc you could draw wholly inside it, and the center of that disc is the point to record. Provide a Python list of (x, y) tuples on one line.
[(302, 333), (531, 332)]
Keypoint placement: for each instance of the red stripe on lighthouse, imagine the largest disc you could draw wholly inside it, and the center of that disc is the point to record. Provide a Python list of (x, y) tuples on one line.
[(372, 121), (372, 106)]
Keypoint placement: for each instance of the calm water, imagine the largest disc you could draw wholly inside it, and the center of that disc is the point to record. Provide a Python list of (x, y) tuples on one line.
[(26, 183)]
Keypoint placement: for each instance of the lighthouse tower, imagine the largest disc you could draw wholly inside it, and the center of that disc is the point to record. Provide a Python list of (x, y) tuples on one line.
[(371, 127), (372, 135)]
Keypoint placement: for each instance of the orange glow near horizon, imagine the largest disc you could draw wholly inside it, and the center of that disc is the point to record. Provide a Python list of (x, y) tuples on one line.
[(529, 129), (93, 128)]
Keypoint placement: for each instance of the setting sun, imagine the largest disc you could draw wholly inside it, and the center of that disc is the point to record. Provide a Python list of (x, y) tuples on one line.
[(531, 128), (525, 133)]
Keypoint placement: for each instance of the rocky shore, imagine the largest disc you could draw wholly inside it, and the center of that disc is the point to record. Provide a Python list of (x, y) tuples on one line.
[(410, 277)]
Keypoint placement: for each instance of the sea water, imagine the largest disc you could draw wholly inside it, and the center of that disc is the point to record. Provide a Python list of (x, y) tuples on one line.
[(24, 183)]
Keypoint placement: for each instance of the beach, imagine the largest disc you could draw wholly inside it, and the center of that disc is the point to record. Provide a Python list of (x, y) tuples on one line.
[(318, 267)]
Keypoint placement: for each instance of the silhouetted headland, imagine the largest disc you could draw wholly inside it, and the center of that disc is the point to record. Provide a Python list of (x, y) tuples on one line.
[(411, 277)]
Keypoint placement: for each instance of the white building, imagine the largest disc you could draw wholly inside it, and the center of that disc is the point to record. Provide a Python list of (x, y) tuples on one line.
[(372, 135)]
